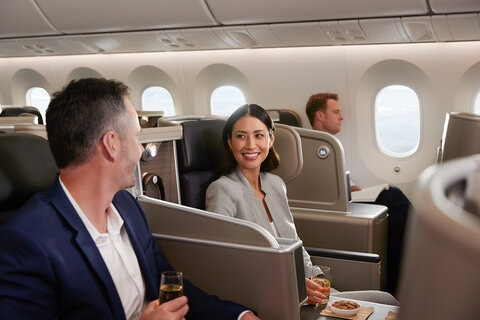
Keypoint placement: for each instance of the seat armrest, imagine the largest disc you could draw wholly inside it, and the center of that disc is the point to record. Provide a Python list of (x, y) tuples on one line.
[(351, 270), (343, 254)]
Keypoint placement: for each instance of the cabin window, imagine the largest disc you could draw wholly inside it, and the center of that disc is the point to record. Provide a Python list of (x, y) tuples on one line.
[(477, 104), (38, 97), (158, 99), (397, 120), (226, 99)]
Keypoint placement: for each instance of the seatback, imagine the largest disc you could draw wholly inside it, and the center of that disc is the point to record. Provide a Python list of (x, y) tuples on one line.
[(288, 145), (285, 116), (17, 111), (200, 153), (26, 167), (20, 119), (460, 138), (441, 272), (323, 183), (9, 126), (319, 198), (231, 258)]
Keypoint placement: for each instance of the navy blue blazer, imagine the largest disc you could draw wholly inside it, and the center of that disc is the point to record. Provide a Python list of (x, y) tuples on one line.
[(50, 267)]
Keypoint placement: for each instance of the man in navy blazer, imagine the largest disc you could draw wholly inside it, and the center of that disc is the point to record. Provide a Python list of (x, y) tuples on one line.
[(83, 249)]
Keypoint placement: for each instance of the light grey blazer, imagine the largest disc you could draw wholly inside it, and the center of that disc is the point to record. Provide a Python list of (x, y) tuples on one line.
[(232, 195)]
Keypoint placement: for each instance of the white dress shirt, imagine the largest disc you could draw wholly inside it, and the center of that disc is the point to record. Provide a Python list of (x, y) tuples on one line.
[(118, 254)]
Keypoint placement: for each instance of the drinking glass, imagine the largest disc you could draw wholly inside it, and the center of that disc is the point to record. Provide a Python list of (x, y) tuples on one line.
[(171, 285), (324, 279)]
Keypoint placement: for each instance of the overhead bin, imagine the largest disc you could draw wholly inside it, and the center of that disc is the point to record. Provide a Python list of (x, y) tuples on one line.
[(41, 28), (449, 6), (88, 16), (22, 18), (275, 11)]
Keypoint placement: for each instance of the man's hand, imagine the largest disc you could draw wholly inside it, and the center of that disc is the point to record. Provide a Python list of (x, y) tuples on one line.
[(249, 316), (173, 309)]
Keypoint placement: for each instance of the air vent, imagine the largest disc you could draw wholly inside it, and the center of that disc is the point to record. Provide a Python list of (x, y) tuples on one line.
[(38, 49)]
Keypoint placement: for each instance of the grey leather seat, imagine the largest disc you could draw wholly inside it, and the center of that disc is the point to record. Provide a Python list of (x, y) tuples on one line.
[(26, 167)]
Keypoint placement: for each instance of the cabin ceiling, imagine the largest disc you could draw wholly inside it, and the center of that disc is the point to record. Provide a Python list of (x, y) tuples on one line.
[(63, 27)]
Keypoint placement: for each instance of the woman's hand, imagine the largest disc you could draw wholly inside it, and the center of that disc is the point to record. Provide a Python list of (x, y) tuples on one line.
[(355, 188), (314, 294), (175, 309)]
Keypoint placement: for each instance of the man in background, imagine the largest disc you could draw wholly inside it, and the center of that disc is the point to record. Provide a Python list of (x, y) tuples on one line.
[(325, 114)]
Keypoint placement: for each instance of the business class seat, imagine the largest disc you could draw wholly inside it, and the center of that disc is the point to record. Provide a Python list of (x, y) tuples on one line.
[(460, 136), (441, 272), (20, 111), (231, 258), (228, 257), (26, 167), (200, 152), (285, 116), (325, 217)]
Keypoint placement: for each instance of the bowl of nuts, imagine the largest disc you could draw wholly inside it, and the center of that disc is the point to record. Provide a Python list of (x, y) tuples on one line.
[(345, 307)]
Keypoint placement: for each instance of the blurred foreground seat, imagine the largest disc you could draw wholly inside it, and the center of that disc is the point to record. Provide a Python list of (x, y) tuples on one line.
[(441, 273)]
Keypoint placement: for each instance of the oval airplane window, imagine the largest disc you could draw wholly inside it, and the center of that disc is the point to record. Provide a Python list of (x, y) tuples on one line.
[(39, 98), (397, 120), (158, 99), (225, 100), (476, 108)]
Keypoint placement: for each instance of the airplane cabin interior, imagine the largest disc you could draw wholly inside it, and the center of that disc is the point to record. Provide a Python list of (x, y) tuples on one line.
[(182, 153)]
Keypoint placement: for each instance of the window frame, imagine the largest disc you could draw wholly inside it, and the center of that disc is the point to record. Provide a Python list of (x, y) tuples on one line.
[(233, 108), (169, 111), (379, 125)]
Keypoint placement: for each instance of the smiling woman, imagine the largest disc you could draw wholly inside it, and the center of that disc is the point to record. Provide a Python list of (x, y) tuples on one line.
[(247, 190)]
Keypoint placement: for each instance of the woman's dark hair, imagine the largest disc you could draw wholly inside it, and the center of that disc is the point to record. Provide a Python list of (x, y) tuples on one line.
[(272, 161)]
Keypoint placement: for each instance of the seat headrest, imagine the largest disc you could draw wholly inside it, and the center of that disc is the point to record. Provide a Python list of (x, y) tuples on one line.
[(201, 147), (285, 116), (19, 111), (289, 147), (26, 167)]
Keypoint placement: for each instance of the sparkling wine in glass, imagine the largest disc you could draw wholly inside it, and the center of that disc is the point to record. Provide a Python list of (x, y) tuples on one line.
[(171, 285)]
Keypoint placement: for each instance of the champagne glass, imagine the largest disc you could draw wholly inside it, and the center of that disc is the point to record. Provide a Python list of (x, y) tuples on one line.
[(324, 279), (171, 285)]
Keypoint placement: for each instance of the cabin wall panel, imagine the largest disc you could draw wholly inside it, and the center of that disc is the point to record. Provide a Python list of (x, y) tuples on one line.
[(440, 65), (444, 73)]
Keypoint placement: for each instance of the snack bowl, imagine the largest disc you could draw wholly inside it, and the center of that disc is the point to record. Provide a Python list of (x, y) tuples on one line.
[(345, 307)]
